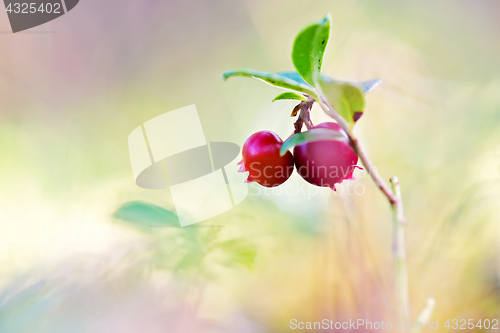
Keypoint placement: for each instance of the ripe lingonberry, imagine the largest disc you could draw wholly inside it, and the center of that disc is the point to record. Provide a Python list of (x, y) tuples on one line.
[(325, 163), (261, 158)]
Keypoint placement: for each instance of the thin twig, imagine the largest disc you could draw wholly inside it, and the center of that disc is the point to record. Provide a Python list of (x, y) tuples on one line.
[(399, 249), (358, 149), (372, 171)]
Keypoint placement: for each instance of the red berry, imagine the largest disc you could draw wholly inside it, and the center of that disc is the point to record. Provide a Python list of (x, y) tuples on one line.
[(325, 163), (261, 158)]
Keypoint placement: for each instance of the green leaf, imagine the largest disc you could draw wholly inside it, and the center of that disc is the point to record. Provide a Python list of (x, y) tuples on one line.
[(239, 251), (289, 95), (368, 86), (293, 76), (346, 98), (146, 215), (365, 87), (309, 48), (277, 80), (315, 134)]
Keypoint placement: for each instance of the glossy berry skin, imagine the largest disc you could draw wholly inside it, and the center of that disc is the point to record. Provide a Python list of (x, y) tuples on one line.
[(325, 163), (261, 158)]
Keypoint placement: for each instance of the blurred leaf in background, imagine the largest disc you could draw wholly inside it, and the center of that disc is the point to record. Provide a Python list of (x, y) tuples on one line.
[(146, 215), (191, 245)]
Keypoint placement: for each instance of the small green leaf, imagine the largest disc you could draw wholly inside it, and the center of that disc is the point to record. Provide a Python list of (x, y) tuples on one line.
[(315, 134), (309, 48), (277, 80), (346, 98), (239, 251), (146, 215), (368, 86), (289, 95)]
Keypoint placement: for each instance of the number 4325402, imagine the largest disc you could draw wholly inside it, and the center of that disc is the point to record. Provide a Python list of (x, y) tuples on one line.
[(470, 324), (31, 8)]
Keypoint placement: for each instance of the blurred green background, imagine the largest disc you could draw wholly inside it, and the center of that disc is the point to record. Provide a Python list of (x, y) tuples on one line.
[(72, 90)]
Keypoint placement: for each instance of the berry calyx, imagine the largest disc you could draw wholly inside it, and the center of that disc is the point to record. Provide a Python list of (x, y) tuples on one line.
[(261, 158), (325, 163)]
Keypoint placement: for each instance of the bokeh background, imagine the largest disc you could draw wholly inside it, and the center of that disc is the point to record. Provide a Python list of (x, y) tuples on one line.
[(72, 90)]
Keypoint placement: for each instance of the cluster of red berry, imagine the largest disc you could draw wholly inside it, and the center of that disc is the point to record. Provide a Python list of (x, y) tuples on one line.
[(321, 163)]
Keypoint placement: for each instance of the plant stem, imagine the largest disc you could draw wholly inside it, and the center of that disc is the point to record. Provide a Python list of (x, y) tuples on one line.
[(373, 172), (358, 149), (399, 250), (394, 197)]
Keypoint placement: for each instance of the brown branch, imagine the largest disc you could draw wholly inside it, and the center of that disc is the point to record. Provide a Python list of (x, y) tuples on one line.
[(358, 149), (372, 171)]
